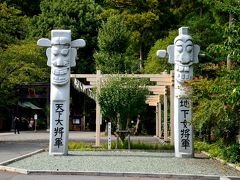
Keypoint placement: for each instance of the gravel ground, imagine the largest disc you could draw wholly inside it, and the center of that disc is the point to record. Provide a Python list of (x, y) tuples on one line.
[(125, 161)]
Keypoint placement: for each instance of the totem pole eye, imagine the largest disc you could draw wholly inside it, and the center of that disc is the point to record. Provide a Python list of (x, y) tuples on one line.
[(55, 52), (189, 48), (179, 48), (64, 52)]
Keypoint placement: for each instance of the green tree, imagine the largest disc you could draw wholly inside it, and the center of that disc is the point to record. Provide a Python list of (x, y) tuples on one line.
[(216, 34), (148, 20), (23, 63), (79, 16), (181, 9), (216, 96), (28, 7), (216, 103), (113, 41), (228, 6), (121, 99), (13, 25), (154, 64)]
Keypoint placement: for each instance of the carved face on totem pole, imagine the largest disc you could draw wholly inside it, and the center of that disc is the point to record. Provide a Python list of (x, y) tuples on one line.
[(61, 55), (183, 57), (183, 54), (59, 59)]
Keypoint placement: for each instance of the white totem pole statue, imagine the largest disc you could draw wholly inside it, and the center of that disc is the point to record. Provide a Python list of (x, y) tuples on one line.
[(183, 54), (61, 56)]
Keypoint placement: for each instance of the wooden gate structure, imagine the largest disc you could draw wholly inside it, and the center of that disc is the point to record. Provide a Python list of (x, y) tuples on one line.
[(162, 89)]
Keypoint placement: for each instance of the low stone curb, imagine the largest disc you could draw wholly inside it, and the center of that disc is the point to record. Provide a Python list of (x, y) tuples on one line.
[(4, 167), (20, 157), (222, 161), (117, 174), (122, 174), (11, 169)]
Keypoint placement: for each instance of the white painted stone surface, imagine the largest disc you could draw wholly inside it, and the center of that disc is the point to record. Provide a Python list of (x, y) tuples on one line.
[(183, 54), (61, 57)]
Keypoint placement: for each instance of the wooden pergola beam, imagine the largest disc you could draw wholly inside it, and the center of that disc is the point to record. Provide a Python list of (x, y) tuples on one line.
[(158, 76), (161, 81)]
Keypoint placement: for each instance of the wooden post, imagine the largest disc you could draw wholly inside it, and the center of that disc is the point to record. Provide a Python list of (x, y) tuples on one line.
[(172, 109), (48, 103), (98, 115), (165, 116), (160, 118), (129, 146), (157, 121), (83, 115)]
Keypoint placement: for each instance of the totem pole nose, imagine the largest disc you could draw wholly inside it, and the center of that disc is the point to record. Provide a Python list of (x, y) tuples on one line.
[(185, 58), (60, 62)]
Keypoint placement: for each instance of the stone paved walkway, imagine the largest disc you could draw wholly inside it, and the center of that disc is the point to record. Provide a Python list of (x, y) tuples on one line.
[(137, 162), (115, 163), (14, 145), (73, 136)]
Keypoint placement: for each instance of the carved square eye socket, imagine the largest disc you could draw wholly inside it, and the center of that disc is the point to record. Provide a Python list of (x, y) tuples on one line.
[(179, 48), (189, 48), (64, 52)]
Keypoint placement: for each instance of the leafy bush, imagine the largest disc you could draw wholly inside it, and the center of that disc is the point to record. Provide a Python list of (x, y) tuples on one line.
[(201, 146), (154, 64), (232, 153), (215, 107), (229, 153), (215, 150), (121, 99)]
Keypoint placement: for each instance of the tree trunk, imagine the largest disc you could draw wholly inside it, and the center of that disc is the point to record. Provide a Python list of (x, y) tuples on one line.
[(231, 17), (118, 121), (127, 125), (140, 57), (228, 62), (201, 12), (137, 125)]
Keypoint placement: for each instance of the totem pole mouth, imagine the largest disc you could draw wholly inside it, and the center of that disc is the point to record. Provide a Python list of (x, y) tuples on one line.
[(60, 76), (183, 72)]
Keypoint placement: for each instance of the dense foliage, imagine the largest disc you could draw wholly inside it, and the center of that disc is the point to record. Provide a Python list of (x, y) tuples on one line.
[(230, 153), (122, 37), (79, 16), (121, 99), (113, 42), (13, 25), (20, 64)]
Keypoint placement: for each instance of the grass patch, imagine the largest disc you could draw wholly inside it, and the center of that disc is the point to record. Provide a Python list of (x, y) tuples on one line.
[(80, 146), (104, 146)]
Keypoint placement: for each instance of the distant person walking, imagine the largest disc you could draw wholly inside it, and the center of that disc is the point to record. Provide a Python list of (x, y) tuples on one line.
[(16, 125), (31, 124)]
